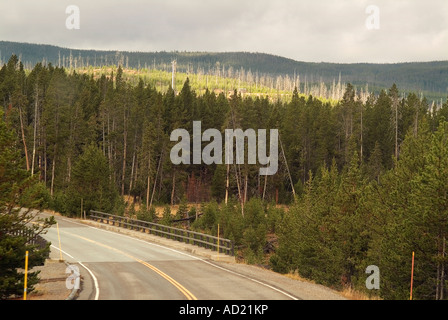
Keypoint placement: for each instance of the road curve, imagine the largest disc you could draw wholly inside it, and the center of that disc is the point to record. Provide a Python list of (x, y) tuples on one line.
[(126, 268)]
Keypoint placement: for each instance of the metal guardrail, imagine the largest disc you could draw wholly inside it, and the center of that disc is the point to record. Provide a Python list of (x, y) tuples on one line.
[(30, 237), (191, 237)]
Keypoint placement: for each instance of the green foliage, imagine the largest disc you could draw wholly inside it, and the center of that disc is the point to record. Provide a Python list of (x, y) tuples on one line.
[(323, 235), (182, 212), (247, 231), (209, 219), (17, 193), (344, 222), (218, 186), (37, 196), (369, 172), (255, 229), (414, 206), (166, 216), (147, 215), (59, 202), (231, 222), (91, 184), (274, 216)]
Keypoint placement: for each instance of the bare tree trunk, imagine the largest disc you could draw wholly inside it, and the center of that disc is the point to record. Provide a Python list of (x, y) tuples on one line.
[(45, 162), (52, 175), (239, 190), (134, 161), (264, 188), (236, 166), (132, 172), (148, 183), (173, 188), (147, 193), (396, 130), (109, 148), (155, 180), (440, 268), (35, 129), (70, 150), (24, 140), (416, 124), (104, 138), (227, 184), (160, 183), (361, 142), (442, 276), (136, 169), (125, 138), (245, 188), (287, 168), (54, 160), (114, 155), (69, 168), (55, 149), (438, 281)]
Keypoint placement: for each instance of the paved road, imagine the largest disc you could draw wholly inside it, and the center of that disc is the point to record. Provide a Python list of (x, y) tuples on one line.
[(120, 267)]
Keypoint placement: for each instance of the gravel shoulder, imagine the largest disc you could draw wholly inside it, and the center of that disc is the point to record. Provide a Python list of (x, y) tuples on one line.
[(302, 290), (52, 282)]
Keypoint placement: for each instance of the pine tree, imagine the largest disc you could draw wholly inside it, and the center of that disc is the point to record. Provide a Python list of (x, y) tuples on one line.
[(166, 216), (393, 228), (54, 123), (380, 129), (375, 166), (15, 214), (92, 185), (255, 229), (307, 241), (350, 223), (429, 217)]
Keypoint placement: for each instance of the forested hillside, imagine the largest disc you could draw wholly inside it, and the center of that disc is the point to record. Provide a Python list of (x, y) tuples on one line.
[(360, 181), (427, 78)]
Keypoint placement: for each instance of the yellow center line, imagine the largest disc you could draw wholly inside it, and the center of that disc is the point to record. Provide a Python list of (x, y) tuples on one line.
[(181, 288)]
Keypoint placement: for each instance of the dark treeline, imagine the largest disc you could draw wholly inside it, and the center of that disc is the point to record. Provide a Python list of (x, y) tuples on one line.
[(366, 182), (429, 78)]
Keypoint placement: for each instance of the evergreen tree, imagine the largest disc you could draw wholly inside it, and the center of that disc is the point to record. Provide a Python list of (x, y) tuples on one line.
[(15, 214), (382, 197), (394, 235), (255, 229), (351, 225), (379, 129), (306, 235), (429, 217), (166, 216), (91, 184)]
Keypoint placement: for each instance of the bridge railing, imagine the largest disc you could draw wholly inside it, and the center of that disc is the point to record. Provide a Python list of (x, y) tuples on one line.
[(191, 237), (30, 237)]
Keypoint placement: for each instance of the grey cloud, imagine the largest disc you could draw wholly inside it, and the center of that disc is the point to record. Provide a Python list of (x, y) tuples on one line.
[(324, 30)]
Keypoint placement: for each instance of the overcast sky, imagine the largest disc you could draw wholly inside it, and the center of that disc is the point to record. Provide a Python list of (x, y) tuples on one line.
[(304, 30)]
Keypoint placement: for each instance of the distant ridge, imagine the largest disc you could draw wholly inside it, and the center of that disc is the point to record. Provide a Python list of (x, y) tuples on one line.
[(427, 78)]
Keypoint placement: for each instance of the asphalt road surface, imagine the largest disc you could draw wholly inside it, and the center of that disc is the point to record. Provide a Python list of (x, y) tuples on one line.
[(118, 267)]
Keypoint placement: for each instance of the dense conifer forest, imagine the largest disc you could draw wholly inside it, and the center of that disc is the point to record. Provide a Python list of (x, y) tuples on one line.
[(362, 179)]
